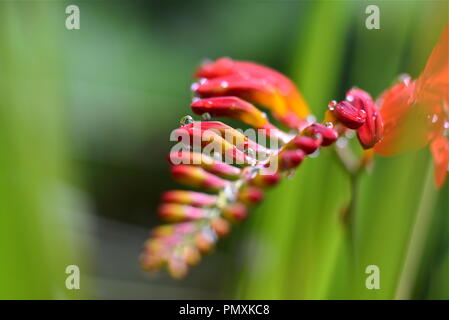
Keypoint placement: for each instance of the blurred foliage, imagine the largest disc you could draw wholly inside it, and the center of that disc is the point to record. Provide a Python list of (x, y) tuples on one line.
[(39, 209), (86, 115)]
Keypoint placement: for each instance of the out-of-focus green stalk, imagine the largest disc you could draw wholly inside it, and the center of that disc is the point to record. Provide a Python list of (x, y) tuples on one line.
[(392, 195), (37, 240), (295, 232)]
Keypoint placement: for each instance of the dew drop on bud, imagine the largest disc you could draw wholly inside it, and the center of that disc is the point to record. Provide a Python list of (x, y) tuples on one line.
[(194, 86), (331, 105), (315, 154), (186, 120), (329, 124), (224, 84), (206, 116), (311, 119), (405, 78)]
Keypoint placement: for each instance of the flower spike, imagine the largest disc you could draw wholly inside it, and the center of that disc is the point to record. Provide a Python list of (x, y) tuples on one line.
[(239, 181)]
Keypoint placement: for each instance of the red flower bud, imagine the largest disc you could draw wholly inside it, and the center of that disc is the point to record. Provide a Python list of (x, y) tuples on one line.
[(250, 195), (265, 180), (307, 144), (178, 212), (191, 255), (214, 141), (317, 130), (189, 197), (209, 164), (235, 212), (197, 177), (256, 83), (182, 228), (177, 267), (371, 131), (290, 159), (232, 107), (220, 226), (205, 240), (348, 114)]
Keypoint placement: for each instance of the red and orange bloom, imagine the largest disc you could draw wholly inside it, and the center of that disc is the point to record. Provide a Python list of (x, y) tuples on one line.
[(256, 83), (198, 218), (416, 112)]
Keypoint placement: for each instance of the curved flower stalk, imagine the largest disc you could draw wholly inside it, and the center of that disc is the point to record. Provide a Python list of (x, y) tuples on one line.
[(231, 171), (416, 112)]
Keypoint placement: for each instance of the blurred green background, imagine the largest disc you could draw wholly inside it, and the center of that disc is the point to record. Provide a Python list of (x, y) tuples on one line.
[(85, 118)]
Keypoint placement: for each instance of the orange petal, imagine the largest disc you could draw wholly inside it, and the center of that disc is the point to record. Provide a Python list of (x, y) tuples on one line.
[(433, 84), (404, 127), (440, 152)]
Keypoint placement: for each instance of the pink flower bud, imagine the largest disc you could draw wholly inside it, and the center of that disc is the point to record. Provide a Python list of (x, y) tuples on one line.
[(371, 131), (178, 212), (189, 197), (235, 212), (177, 267), (232, 107), (205, 240), (197, 177), (265, 180), (220, 226), (307, 144), (349, 115), (317, 130), (250, 195), (290, 159), (209, 164)]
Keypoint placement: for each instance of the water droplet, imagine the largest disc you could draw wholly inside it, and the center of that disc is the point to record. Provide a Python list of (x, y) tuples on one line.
[(405, 78), (329, 124), (315, 154), (349, 98), (311, 119), (434, 118), (195, 99), (202, 80), (331, 105), (210, 234), (186, 120), (446, 125), (229, 193), (264, 115), (194, 86), (224, 84), (206, 116)]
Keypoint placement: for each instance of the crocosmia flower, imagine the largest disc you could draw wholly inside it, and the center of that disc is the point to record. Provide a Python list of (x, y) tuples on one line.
[(235, 176), (416, 112), (259, 84)]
